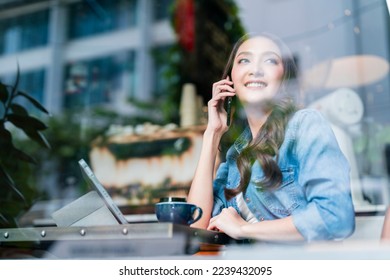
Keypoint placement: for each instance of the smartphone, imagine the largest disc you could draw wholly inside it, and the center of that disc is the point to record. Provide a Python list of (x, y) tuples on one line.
[(229, 109)]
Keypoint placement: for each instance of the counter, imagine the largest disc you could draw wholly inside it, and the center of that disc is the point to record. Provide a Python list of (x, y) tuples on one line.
[(121, 241)]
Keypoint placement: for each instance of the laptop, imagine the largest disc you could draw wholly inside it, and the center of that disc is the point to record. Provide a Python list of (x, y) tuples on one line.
[(96, 207), (94, 183)]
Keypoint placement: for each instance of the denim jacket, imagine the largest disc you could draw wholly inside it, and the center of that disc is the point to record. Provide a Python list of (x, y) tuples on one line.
[(315, 189)]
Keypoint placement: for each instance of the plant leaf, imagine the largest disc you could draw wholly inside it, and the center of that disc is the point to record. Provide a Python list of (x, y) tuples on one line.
[(38, 137), (5, 177), (22, 156), (3, 93), (7, 181), (19, 110), (26, 122), (3, 220), (8, 147), (33, 101), (5, 139), (12, 206)]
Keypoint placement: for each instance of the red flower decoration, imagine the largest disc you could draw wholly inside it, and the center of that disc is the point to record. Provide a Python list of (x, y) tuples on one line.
[(184, 23)]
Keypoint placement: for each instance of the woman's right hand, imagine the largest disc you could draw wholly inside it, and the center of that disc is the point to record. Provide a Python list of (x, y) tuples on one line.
[(217, 115)]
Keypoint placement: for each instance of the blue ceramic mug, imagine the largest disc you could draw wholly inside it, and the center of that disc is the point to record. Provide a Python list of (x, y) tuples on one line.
[(177, 211)]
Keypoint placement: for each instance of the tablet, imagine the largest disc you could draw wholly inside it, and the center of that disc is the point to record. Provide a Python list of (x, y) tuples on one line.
[(94, 183)]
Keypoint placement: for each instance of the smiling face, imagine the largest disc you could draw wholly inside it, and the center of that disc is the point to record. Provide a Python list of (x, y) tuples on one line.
[(257, 70)]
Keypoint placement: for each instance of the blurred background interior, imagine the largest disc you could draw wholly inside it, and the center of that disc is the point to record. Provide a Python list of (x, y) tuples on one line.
[(126, 83)]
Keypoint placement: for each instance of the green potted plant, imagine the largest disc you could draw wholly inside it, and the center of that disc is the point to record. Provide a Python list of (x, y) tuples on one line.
[(16, 193)]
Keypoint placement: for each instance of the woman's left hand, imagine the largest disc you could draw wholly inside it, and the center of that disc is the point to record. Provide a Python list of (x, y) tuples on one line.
[(229, 222)]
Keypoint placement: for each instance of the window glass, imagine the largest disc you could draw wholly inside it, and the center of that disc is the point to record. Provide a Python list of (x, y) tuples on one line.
[(99, 81), (162, 71), (31, 82), (119, 105), (342, 50), (88, 18), (24, 32), (161, 9)]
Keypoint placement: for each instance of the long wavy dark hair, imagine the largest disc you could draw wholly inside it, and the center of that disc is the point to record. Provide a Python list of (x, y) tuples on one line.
[(265, 146)]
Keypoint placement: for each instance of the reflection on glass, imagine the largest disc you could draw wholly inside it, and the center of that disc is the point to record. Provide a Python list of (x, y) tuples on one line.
[(161, 9), (161, 82), (99, 81), (88, 18), (24, 32), (31, 82)]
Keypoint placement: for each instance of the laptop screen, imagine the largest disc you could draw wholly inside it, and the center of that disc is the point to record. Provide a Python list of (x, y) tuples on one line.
[(94, 183)]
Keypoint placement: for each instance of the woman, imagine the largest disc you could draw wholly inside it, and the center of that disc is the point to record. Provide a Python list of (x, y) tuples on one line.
[(285, 177)]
